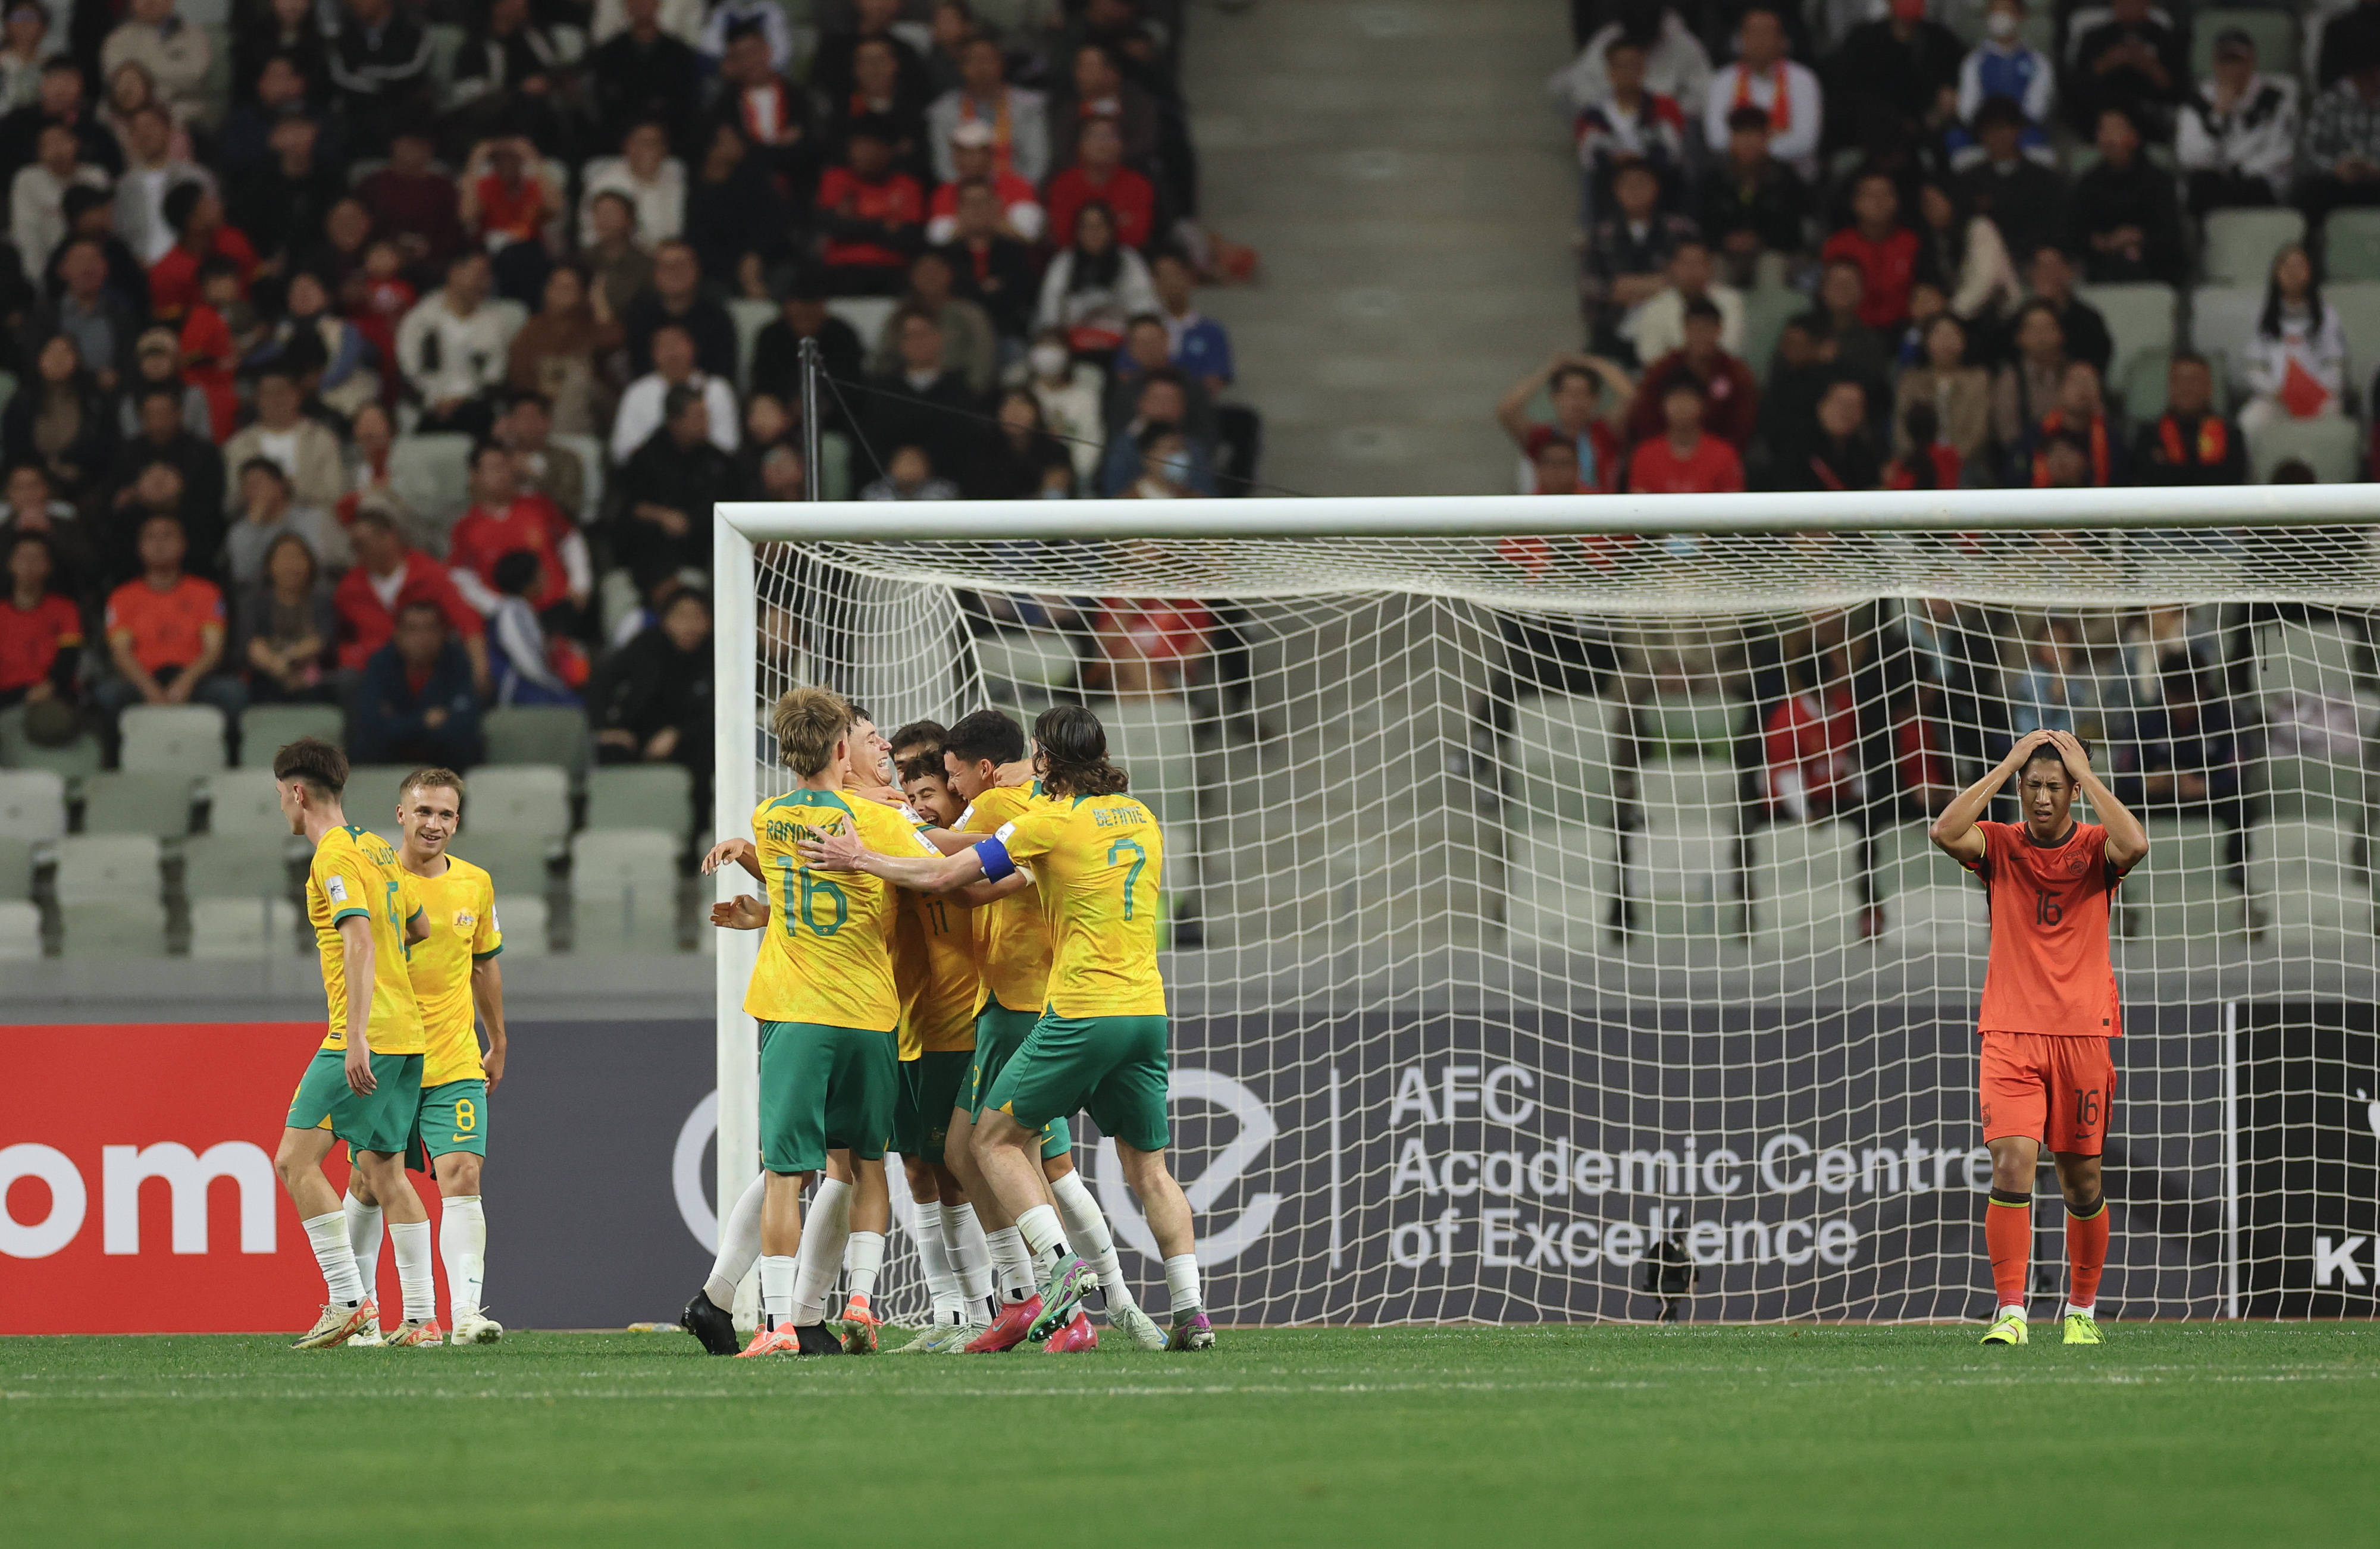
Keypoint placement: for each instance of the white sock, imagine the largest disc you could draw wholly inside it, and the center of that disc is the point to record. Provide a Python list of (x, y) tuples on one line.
[(2011, 1307), (415, 1277), (363, 1241), (463, 1245), (866, 1258), (969, 1256), (934, 1264), (1046, 1234), (739, 1244), (777, 1271), (2085, 1308), (1086, 1229), (824, 1232), (328, 1235), (1182, 1284), (1014, 1264)]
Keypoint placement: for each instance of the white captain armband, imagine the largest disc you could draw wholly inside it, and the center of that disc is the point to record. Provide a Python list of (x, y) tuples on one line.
[(997, 866)]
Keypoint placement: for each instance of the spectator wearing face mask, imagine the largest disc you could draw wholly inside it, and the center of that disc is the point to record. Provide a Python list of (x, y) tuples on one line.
[(2004, 64)]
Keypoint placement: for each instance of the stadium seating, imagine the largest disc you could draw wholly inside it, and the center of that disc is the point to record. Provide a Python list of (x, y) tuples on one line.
[(245, 802), (1930, 903), (243, 929), (1563, 879), (2140, 386), (75, 759), (1023, 667), (2187, 893), (750, 315), (109, 890), (265, 729), (2331, 445), (33, 804), (592, 453), (170, 739), (523, 918), (624, 891), (1687, 723), (1688, 794), (529, 800), (540, 734), (370, 796), (118, 803), (1688, 882), (2140, 319), (2222, 321), (518, 864), (1766, 310), (1152, 739), (20, 931), (1563, 760), (641, 796), (15, 867), (2328, 790), (237, 866), (2351, 247), (1803, 879), (867, 314), (2357, 305), (2308, 882), (432, 475), (2240, 244)]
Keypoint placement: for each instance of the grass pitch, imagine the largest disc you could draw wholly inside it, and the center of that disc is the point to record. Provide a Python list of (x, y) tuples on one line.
[(2201, 1435)]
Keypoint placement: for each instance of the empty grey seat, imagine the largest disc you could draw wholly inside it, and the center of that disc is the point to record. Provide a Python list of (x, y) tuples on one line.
[(1683, 795), (2307, 882), (518, 799), (118, 802), (522, 919), (1562, 759), (1804, 884), (1689, 721), (1564, 881), (20, 931), (186, 740), (75, 759), (243, 929), (624, 891), (15, 867), (516, 862), (245, 802), (2182, 892), (1151, 739), (537, 734), (110, 930), (237, 866), (640, 796), (370, 796), (33, 804), (265, 729)]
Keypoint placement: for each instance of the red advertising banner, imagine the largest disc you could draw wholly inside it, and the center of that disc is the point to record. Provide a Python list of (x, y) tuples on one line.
[(137, 1190)]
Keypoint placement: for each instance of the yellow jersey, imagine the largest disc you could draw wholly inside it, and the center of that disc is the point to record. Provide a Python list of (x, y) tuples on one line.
[(1095, 861), (828, 955), (1011, 938), (354, 872), (463, 933), (940, 1015)]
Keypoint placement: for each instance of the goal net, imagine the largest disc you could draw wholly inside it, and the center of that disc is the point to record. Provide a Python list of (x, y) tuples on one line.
[(1551, 926)]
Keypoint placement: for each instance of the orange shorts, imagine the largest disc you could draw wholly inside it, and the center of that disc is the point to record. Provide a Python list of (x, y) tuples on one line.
[(2054, 1090)]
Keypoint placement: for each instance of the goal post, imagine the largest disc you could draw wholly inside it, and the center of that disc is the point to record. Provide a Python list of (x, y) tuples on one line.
[(1550, 923)]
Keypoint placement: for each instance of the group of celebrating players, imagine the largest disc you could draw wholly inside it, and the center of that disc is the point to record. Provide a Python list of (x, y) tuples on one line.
[(959, 954)]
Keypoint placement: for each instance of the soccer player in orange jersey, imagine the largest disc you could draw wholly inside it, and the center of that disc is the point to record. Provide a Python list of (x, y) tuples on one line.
[(2049, 1008)]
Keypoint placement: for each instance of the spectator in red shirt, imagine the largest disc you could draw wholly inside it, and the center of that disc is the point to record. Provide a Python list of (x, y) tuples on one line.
[(506, 204), (1021, 216), (197, 217), (165, 632), (413, 201), (503, 521), (1684, 460), (1730, 393), (873, 218), (1810, 741), (40, 632), (388, 577), (1884, 251), (1098, 172), (1589, 395)]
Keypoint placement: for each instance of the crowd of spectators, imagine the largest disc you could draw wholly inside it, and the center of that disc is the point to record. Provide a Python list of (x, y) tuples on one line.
[(272, 268), (1833, 246)]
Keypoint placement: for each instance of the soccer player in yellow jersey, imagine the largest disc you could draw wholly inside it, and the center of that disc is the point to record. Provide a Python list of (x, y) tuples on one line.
[(364, 1080), (985, 764), (823, 990), (461, 987), (1100, 1043)]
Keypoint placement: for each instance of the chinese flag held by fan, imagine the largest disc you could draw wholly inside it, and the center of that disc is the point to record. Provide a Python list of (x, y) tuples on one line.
[(2302, 394)]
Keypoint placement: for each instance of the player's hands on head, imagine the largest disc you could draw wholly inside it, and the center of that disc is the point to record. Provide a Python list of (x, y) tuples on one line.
[(738, 851), (835, 852), (2026, 744), (2070, 749), (360, 1080)]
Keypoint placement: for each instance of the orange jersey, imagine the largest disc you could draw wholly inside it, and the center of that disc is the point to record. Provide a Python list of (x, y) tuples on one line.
[(2049, 972)]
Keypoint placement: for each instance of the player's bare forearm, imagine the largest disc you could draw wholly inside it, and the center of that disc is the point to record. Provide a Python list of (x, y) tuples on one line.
[(2128, 841), (741, 852), (1954, 830), (357, 961), (975, 895), (488, 996), (925, 874)]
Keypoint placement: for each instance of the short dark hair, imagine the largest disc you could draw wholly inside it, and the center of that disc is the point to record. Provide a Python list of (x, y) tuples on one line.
[(1685, 383), (516, 573), (2047, 754), (982, 735), (320, 764), (181, 202), (2000, 111), (264, 465), (1705, 307), (926, 734), (1748, 117)]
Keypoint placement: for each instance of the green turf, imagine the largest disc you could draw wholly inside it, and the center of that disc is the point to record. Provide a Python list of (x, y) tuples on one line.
[(2197, 1435)]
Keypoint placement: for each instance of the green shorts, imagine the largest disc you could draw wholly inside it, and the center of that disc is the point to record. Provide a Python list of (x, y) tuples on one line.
[(1114, 1067), (454, 1117), (930, 1085), (825, 1089), (383, 1121), (999, 1034)]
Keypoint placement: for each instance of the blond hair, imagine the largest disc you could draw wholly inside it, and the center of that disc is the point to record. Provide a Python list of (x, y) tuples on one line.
[(434, 779), (808, 723)]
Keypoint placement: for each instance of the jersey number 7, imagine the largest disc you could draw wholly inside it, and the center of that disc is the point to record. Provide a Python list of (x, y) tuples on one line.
[(1132, 875)]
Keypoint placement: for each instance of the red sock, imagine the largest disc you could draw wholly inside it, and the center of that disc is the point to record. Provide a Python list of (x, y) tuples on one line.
[(2087, 1254), (2007, 1236)]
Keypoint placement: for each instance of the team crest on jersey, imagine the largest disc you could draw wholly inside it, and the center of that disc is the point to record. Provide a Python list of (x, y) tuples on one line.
[(465, 919)]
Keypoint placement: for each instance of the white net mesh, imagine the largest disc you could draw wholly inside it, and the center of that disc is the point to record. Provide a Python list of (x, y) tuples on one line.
[(1554, 931)]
